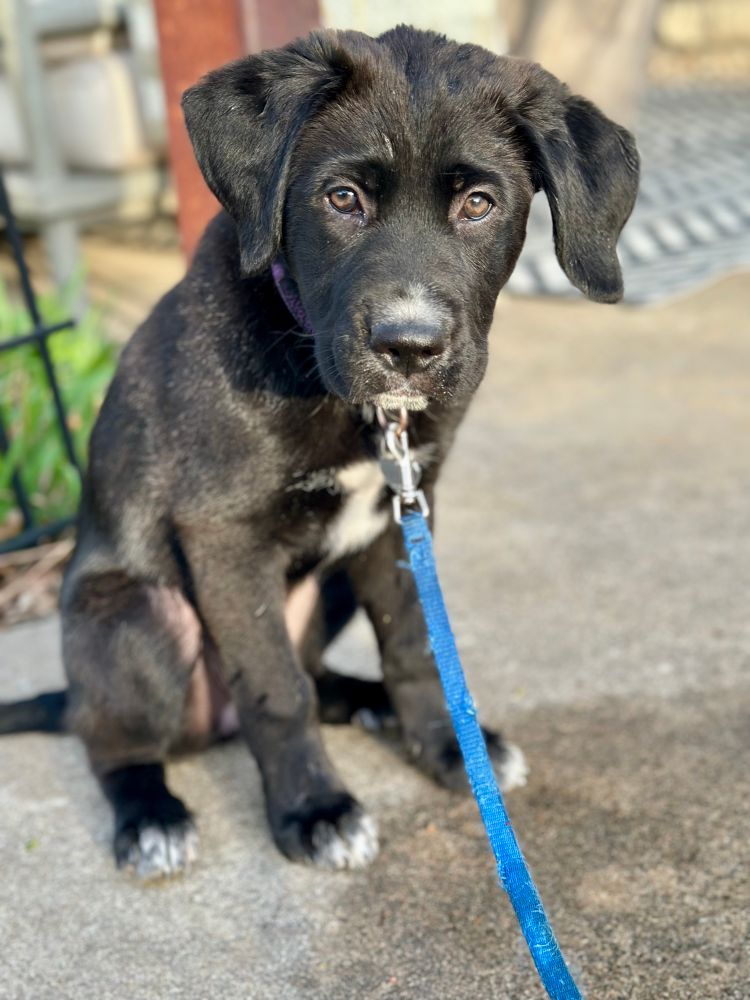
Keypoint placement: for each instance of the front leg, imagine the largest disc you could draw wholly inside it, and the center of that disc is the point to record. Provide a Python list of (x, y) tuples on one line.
[(385, 587), (241, 595)]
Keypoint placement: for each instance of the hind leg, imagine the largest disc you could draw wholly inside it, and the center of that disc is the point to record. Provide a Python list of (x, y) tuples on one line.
[(341, 698), (129, 651)]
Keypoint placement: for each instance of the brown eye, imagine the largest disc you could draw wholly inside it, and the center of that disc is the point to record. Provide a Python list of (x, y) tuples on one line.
[(476, 206), (344, 200)]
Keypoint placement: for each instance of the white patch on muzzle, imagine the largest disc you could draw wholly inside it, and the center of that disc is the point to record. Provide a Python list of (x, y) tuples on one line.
[(417, 307)]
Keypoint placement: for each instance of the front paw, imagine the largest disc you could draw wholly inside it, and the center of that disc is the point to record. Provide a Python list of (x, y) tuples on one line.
[(440, 759), (158, 843), (331, 831)]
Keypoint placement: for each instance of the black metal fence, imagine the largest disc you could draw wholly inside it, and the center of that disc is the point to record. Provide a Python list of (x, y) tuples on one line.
[(32, 531)]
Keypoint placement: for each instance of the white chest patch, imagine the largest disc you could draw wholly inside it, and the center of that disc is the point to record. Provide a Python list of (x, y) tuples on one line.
[(359, 521)]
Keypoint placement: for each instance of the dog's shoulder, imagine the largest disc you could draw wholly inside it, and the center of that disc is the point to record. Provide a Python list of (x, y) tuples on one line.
[(215, 330)]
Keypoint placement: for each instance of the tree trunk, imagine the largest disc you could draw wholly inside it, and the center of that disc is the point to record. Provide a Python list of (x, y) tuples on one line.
[(598, 47)]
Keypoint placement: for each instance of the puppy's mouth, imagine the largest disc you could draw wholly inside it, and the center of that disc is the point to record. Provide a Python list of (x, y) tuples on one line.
[(364, 381), (400, 401)]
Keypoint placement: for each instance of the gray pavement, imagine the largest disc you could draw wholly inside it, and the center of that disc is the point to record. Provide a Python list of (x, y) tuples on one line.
[(594, 540)]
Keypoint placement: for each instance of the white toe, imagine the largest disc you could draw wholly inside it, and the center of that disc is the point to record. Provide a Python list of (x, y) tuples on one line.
[(159, 853), (353, 844), (512, 771)]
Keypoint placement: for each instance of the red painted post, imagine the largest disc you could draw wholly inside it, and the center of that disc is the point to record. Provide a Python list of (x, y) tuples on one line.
[(270, 23), (195, 36)]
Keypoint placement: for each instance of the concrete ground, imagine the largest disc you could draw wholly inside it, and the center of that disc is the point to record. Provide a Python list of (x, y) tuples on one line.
[(594, 540)]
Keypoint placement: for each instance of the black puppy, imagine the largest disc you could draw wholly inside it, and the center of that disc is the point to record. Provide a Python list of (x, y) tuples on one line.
[(234, 512)]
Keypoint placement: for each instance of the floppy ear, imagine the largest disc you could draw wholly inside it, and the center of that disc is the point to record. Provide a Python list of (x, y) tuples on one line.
[(587, 166), (244, 119)]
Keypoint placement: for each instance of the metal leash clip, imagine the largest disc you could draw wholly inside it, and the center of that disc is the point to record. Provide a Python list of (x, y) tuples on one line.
[(401, 471)]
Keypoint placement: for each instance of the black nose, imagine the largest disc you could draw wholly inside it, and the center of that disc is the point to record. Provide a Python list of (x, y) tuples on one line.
[(409, 347)]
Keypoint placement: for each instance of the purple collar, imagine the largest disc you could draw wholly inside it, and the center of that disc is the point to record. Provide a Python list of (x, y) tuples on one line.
[(289, 293)]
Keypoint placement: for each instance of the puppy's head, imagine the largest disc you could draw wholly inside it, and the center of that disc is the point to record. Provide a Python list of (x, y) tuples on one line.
[(395, 175)]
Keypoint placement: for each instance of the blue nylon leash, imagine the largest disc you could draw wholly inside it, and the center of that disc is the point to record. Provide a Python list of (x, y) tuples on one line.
[(402, 474), (514, 873)]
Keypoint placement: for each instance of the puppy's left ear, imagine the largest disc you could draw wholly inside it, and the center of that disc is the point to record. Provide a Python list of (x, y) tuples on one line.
[(587, 166), (244, 119)]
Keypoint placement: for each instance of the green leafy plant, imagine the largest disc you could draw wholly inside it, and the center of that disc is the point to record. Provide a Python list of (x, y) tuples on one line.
[(84, 362)]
